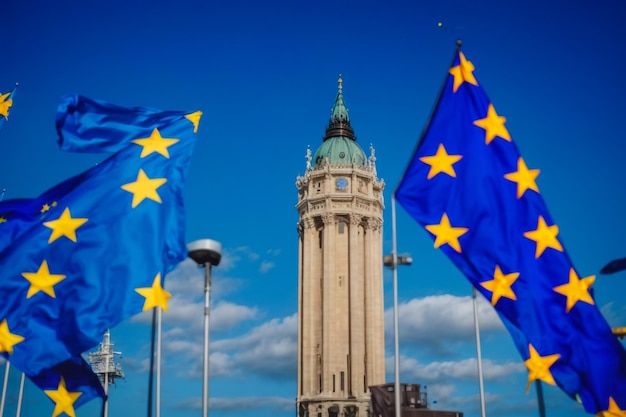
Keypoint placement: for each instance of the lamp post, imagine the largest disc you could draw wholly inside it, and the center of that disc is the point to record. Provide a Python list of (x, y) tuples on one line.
[(392, 261), (207, 253)]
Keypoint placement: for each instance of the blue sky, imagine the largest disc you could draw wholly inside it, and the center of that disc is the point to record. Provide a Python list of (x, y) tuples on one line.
[(264, 74)]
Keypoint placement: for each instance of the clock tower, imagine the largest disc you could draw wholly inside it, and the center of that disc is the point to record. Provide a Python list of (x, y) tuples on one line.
[(340, 289)]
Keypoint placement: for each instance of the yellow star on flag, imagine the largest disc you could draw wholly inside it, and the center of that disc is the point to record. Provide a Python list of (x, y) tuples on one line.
[(576, 289), (143, 188), (155, 143), (441, 162), (500, 285), (65, 225), (539, 367), (524, 177), (2, 219), (155, 296), (5, 105), (63, 399), (42, 280), (613, 411), (545, 237), (464, 72), (195, 119), (8, 339), (445, 233), (493, 125), (44, 208)]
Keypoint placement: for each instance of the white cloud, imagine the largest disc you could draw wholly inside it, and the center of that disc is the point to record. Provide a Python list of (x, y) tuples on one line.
[(266, 266), (465, 369), (226, 315), (438, 323), (187, 281), (276, 404), (269, 349)]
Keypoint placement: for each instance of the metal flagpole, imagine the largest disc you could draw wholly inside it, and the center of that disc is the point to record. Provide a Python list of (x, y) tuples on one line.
[(151, 377), (479, 356), (7, 368), (20, 396), (394, 254), (158, 363), (105, 405)]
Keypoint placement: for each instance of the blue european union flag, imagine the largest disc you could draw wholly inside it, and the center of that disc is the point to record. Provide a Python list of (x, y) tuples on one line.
[(93, 250), (472, 191), (6, 102)]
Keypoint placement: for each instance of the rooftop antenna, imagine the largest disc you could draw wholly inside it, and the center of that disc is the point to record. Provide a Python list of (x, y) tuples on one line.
[(103, 364)]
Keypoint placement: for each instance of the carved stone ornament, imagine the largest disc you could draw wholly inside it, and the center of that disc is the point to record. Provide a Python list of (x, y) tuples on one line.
[(374, 224), (328, 218), (309, 223), (355, 219)]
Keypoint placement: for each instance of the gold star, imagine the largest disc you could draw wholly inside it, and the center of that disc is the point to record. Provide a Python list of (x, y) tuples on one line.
[(493, 125), (463, 73), (143, 188), (42, 280), (5, 105), (44, 208), (613, 411), (65, 226), (524, 177), (545, 237), (500, 285), (445, 233), (539, 367), (441, 162), (8, 339), (63, 399), (576, 289), (195, 119), (3, 219), (155, 296), (155, 143)]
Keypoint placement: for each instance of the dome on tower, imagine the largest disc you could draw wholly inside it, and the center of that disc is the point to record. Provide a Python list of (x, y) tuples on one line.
[(339, 146)]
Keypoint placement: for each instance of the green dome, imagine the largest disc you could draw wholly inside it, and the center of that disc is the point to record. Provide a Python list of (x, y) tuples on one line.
[(339, 147), (339, 151)]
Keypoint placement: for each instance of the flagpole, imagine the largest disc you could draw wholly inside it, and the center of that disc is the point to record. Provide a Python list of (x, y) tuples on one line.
[(396, 343), (158, 363), (7, 368), (105, 405), (152, 348), (542, 406), (18, 412), (479, 356)]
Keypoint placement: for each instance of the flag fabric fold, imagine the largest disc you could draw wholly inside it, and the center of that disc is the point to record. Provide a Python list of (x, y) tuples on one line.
[(468, 185), (73, 259)]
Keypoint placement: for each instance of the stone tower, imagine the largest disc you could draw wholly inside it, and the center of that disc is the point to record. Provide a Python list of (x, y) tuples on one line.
[(340, 289)]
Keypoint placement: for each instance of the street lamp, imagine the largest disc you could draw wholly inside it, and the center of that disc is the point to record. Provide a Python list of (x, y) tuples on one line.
[(393, 261), (206, 253)]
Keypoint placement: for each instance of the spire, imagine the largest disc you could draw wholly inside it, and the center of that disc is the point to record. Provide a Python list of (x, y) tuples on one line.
[(339, 125)]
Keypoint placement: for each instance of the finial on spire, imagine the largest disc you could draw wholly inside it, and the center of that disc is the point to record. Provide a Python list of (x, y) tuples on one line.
[(340, 81)]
